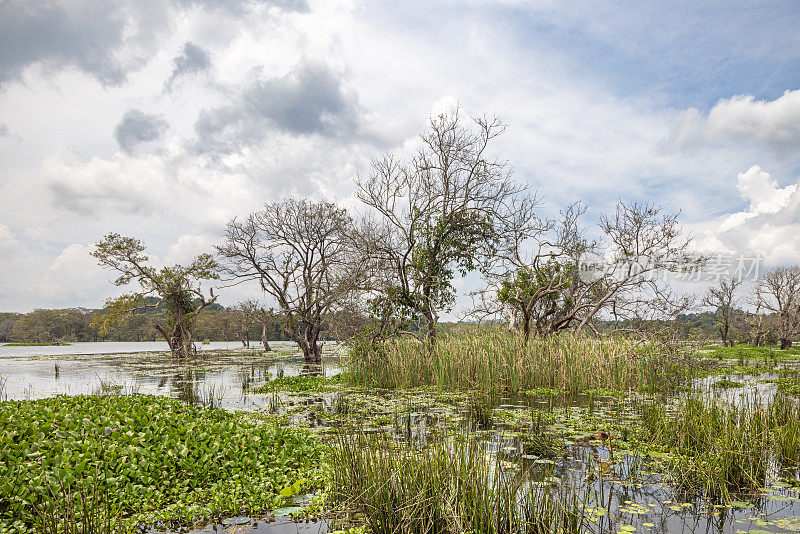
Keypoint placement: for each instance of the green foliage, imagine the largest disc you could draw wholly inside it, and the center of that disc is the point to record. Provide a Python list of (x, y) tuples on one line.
[(157, 458), (456, 484), (177, 287), (719, 448), (498, 362)]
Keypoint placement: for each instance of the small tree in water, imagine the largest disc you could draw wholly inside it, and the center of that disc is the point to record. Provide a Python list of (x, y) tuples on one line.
[(302, 254), (177, 289)]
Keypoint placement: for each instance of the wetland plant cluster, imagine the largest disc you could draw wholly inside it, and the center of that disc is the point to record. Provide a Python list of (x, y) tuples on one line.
[(113, 463), (455, 484), (718, 448), (150, 460), (496, 362)]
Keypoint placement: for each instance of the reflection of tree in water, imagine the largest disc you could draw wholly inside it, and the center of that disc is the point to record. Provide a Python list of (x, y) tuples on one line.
[(186, 386), (311, 369)]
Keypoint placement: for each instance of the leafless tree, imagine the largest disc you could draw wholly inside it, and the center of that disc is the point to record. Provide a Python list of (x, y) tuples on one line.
[(242, 317), (302, 255), (723, 299), (549, 277), (436, 214), (778, 292)]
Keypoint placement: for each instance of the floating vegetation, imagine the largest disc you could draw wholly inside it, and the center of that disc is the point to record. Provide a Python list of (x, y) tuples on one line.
[(152, 459), (726, 384), (299, 384)]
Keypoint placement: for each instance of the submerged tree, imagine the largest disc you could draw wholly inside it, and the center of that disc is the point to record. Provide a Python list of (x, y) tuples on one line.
[(302, 255), (438, 214), (778, 292), (177, 288)]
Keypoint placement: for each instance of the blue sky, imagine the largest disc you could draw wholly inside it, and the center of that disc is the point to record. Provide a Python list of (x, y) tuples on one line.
[(164, 119)]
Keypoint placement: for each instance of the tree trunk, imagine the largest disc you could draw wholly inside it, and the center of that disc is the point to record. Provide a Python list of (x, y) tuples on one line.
[(264, 340), (430, 328), (785, 343)]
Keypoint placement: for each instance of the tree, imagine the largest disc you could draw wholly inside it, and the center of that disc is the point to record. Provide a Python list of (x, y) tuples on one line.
[(723, 299), (302, 254), (778, 291), (547, 276), (437, 214), (249, 313), (177, 288), (242, 317)]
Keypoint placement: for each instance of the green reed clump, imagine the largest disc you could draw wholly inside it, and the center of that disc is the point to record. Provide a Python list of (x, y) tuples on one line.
[(79, 507), (452, 486), (499, 362), (720, 448)]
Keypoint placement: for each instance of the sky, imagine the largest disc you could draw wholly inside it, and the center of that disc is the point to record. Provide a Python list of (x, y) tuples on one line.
[(162, 120)]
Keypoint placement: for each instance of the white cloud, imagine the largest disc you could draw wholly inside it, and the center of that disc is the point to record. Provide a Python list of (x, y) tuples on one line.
[(743, 118), (763, 194), (768, 228)]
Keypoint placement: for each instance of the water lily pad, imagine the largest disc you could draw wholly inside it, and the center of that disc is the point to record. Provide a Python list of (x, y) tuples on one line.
[(288, 510), (741, 504)]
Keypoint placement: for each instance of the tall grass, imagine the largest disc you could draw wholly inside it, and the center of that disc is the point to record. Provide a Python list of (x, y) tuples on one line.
[(452, 486), (496, 362), (720, 448)]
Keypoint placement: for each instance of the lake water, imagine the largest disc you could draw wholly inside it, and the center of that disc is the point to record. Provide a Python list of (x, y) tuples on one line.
[(222, 372)]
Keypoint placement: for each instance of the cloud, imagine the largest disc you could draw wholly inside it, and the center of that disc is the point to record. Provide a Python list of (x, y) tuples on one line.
[(103, 39), (137, 128), (744, 119), (310, 99), (769, 227), (193, 59)]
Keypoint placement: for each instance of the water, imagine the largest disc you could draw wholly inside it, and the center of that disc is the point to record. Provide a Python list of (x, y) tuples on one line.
[(109, 347), (628, 486), (223, 377)]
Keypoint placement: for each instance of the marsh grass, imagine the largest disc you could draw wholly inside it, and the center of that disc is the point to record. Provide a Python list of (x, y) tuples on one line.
[(78, 507), (498, 362), (719, 448), (454, 485)]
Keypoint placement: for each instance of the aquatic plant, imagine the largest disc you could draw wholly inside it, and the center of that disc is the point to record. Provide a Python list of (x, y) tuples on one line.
[(453, 485), (498, 362), (160, 459), (719, 448), (299, 384)]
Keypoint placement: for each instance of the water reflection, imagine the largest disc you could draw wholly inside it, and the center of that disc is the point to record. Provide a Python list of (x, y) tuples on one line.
[(221, 379)]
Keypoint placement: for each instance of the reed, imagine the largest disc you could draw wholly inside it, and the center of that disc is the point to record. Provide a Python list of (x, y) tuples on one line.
[(721, 448), (452, 486), (498, 362)]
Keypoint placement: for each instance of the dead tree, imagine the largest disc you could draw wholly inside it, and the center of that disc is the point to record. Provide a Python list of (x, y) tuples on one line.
[(723, 299), (301, 254), (778, 292)]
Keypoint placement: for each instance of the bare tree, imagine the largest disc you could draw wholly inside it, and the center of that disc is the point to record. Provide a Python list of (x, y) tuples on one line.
[(302, 255), (242, 317), (549, 277), (758, 324), (177, 289), (778, 291), (723, 299), (438, 213)]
